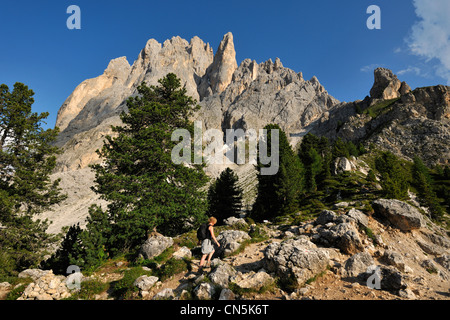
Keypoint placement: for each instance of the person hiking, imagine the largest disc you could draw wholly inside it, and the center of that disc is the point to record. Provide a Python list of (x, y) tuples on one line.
[(207, 246)]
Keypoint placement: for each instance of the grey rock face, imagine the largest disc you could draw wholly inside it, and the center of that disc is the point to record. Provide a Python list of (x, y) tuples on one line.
[(219, 74), (417, 123), (249, 96), (400, 214)]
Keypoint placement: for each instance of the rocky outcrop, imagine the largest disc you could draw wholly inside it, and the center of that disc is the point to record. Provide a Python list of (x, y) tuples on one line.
[(45, 285), (387, 86)]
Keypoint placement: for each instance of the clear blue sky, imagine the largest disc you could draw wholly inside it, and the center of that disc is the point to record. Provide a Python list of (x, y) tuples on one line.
[(325, 38)]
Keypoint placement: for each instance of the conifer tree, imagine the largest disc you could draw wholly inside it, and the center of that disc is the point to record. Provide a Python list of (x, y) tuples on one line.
[(144, 187), (424, 185), (27, 158), (225, 196), (278, 194), (394, 177)]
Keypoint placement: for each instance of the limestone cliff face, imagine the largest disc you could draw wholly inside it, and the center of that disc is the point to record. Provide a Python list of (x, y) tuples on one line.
[(249, 96), (115, 75), (87, 115)]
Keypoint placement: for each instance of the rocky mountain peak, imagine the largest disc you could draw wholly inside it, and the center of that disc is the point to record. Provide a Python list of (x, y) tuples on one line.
[(118, 68), (387, 85), (220, 73)]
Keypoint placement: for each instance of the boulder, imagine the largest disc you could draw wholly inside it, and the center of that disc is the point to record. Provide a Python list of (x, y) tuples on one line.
[(342, 164), (183, 252), (444, 261), (230, 240), (395, 259), (205, 291), (254, 280), (33, 273), (361, 219), (155, 245), (165, 294), (402, 215), (231, 221), (357, 264), (325, 217), (221, 274), (343, 236), (295, 260), (226, 294), (145, 283), (390, 278)]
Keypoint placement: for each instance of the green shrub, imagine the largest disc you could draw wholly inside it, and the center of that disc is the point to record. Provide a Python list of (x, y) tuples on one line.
[(124, 288)]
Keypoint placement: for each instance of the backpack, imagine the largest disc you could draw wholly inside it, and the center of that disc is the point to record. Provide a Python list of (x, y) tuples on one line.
[(202, 232)]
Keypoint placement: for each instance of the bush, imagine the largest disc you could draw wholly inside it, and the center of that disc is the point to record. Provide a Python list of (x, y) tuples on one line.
[(124, 289)]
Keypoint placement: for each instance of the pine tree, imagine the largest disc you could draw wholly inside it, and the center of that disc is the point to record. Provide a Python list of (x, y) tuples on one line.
[(27, 158), (278, 194), (225, 196), (144, 187)]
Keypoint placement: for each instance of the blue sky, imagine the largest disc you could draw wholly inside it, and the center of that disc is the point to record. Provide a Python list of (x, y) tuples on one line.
[(324, 38)]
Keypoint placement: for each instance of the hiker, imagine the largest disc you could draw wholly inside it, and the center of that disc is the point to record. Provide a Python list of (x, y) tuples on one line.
[(207, 246)]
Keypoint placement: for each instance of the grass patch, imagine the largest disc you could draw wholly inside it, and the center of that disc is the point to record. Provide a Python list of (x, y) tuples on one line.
[(380, 108), (124, 288), (89, 289), (245, 292), (172, 267), (317, 276), (17, 292)]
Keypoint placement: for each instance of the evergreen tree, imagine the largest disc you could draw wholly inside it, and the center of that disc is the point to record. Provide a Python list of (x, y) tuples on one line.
[(84, 248), (27, 158), (278, 194), (225, 196), (424, 185), (314, 153), (340, 149), (144, 187), (394, 177)]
